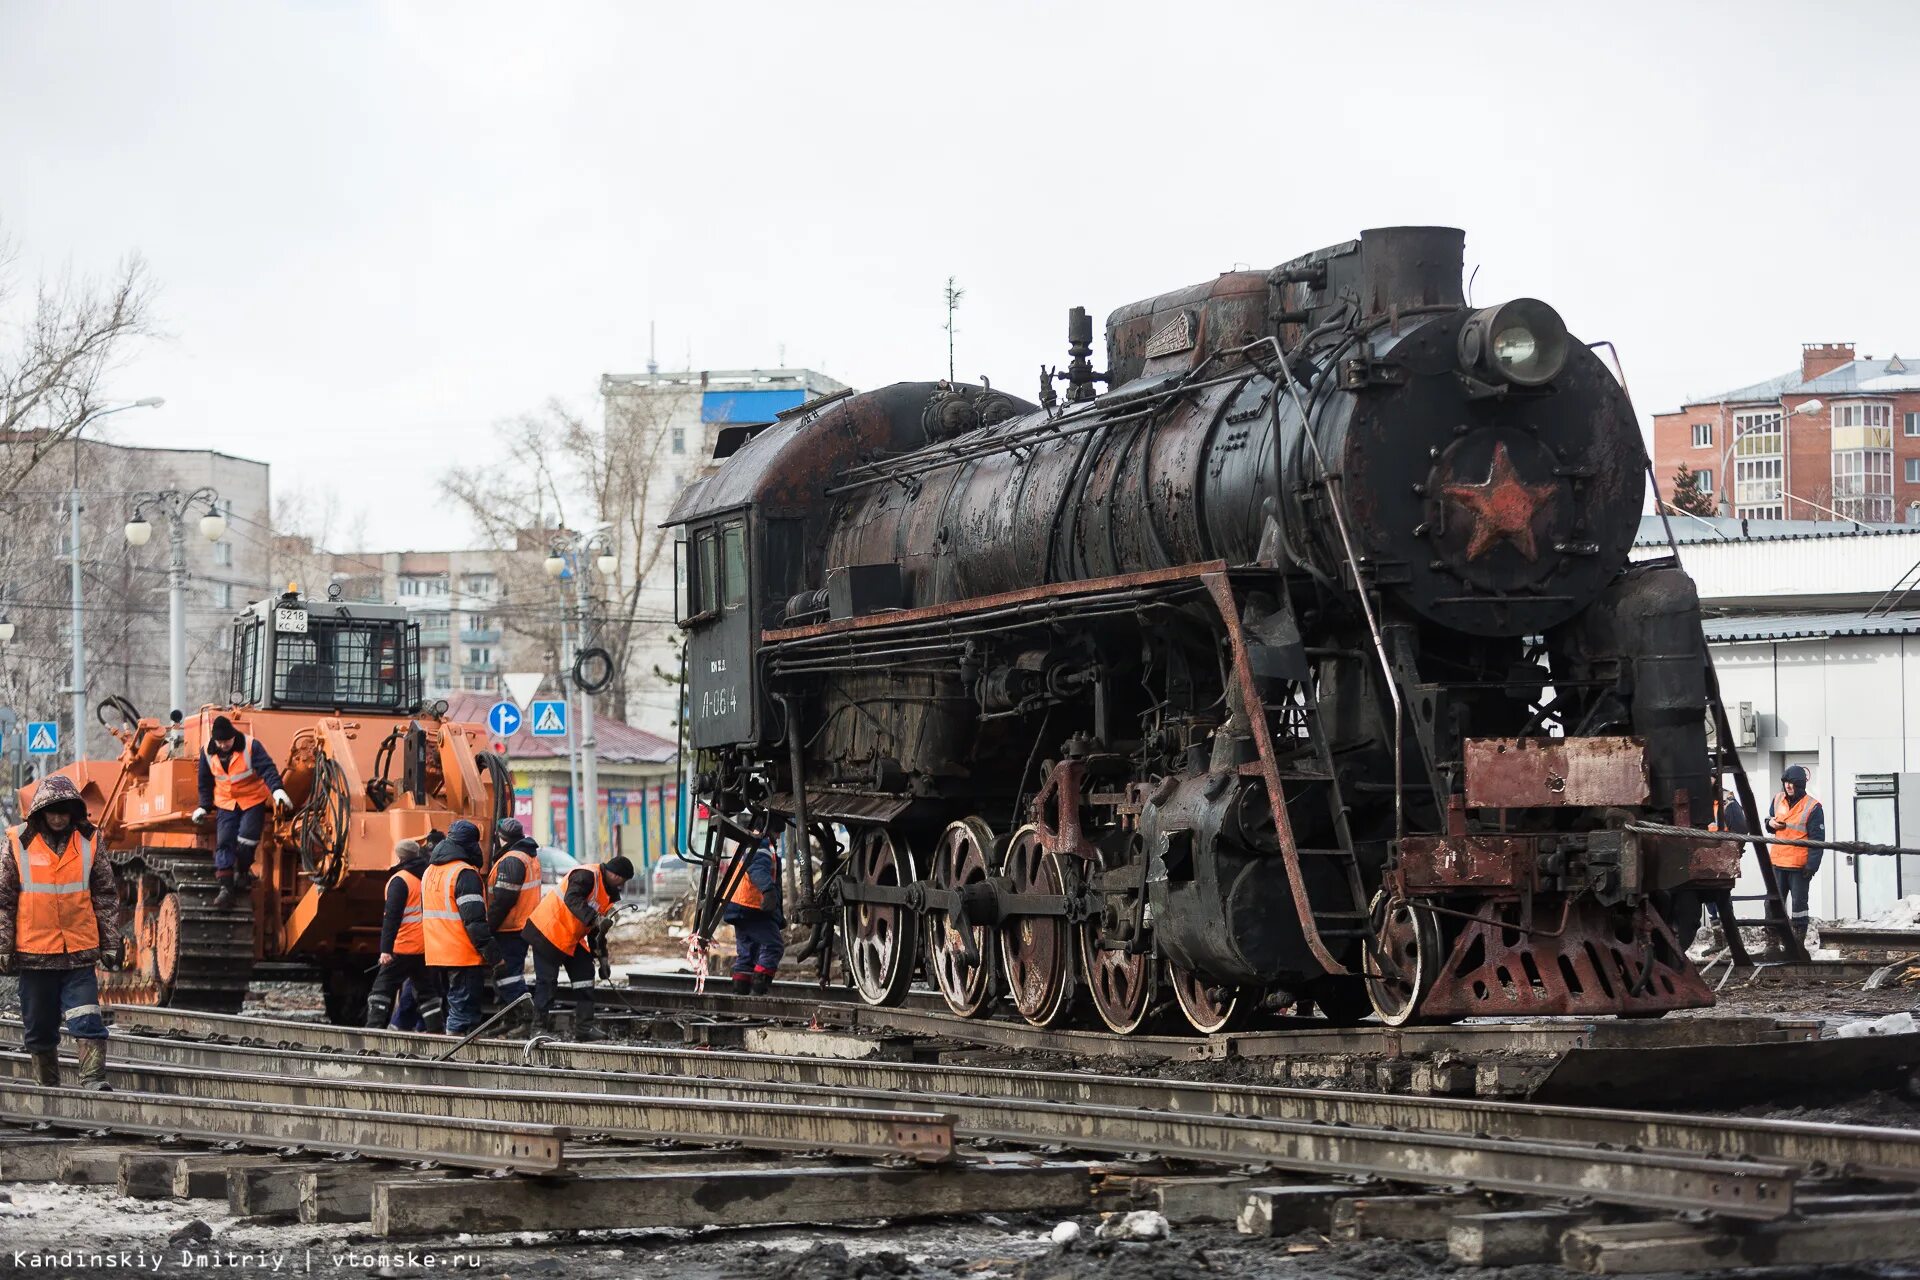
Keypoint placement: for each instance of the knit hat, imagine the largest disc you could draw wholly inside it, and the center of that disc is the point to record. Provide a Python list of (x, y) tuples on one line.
[(1796, 774), (407, 850), (465, 833), (620, 866), (222, 729), (510, 830)]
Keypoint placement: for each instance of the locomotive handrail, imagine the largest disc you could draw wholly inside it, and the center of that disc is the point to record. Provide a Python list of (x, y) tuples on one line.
[(1855, 847), (1353, 564)]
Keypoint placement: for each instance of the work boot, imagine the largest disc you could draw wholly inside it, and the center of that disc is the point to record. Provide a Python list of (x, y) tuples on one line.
[(46, 1068), (542, 1022), (583, 1029), (743, 984), (379, 1014), (223, 901), (93, 1066), (244, 879), (762, 982)]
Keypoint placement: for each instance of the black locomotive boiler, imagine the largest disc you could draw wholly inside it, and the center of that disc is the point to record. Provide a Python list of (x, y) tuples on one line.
[(1305, 662)]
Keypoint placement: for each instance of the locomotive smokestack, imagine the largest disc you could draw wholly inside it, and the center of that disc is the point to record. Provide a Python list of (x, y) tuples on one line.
[(1405, 267)]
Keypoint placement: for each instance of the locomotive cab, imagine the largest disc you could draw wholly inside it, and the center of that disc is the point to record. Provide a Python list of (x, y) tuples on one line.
[(716, 609)]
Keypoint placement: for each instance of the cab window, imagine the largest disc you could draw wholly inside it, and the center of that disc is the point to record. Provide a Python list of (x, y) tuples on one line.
[(733, 574), (706, 573)]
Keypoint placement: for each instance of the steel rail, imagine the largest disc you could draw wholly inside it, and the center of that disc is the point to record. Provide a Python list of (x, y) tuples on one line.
[(1663, 1180), (768, 1126), (926, 1014), (388, 1134), (1881, 1152)]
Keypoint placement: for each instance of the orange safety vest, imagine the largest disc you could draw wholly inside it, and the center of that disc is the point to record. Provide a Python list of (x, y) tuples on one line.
[(409, 939), (56, 907), (522, 910), (746, 893), (447, 943), (235, 785), (560, 926), (1793, 825)]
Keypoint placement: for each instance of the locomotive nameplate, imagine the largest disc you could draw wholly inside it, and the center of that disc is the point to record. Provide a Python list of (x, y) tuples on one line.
[(1174, 336), (1545, 773)]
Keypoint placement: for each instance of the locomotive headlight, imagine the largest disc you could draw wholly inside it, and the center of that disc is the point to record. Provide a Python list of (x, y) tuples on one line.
[(1522, 342)]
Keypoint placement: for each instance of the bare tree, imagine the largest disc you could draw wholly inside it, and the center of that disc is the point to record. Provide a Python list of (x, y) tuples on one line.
[(58, 341), (561, 472)]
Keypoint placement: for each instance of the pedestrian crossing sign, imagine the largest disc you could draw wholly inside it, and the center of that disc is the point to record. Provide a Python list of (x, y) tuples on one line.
[(549, 716), (43, 738)]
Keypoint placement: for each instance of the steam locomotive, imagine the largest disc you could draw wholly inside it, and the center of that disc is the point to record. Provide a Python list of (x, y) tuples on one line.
[(1302, 665)]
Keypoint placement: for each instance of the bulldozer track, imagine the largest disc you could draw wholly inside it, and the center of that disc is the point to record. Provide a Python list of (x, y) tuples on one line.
[(212, 950)]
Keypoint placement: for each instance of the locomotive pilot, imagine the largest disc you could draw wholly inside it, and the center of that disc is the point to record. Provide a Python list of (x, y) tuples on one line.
[(59, 913), (1797, 816), (759, 925), (237, 781), (560, 935), (403, 946)]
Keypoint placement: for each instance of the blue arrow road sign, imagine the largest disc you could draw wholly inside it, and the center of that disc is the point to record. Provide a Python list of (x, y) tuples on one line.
[(43, 738), (504, 719), (549, 718)]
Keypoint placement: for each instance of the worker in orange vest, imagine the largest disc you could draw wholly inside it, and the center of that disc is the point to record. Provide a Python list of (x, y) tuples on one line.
[(59, 917), (237, 780), (559, 935), (759, 924), (403, 945), (513, 891), (460, 947), (1797, 816)]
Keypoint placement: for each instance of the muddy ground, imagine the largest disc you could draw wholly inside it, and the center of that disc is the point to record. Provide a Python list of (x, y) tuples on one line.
[(80, 1231)]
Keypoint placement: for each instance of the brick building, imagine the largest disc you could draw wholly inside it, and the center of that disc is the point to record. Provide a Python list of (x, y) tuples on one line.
[(1838, 438)]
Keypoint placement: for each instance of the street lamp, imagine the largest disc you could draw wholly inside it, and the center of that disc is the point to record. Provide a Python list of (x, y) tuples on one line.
[(574, 552), (77, 630), (176, 506)]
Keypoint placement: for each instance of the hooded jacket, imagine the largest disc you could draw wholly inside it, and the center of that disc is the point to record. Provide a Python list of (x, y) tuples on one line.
[(506, 886), (469, 887), (763, 873), (396, 902), (105, 895)]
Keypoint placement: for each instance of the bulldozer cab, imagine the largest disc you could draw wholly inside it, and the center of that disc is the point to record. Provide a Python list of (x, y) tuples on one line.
[(295, 654)]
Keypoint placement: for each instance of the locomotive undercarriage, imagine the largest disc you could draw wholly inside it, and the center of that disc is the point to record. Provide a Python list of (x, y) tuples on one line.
[(1114, 847)]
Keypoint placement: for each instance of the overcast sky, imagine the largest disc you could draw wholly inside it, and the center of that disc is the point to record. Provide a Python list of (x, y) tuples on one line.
[(379, 229)]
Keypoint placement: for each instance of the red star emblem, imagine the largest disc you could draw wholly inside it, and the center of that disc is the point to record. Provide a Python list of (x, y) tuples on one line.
[(1503, 507)]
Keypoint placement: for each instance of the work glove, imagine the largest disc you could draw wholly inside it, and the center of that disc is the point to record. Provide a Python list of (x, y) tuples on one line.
[(8, 962), (281, 800), (199, 816), (113, 954), (491, 954)]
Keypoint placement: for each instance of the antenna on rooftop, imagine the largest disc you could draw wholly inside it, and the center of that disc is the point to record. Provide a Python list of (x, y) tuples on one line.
[(653, 365)]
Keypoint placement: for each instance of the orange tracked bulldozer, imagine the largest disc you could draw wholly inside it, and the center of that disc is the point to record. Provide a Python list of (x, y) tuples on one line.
[(333, 692)]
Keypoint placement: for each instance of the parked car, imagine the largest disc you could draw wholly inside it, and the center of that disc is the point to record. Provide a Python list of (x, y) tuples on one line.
[(555, 863), (673, 878)]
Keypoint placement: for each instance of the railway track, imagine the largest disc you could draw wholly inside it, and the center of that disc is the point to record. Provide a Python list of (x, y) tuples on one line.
[(626, 1135), (925, 1014)]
